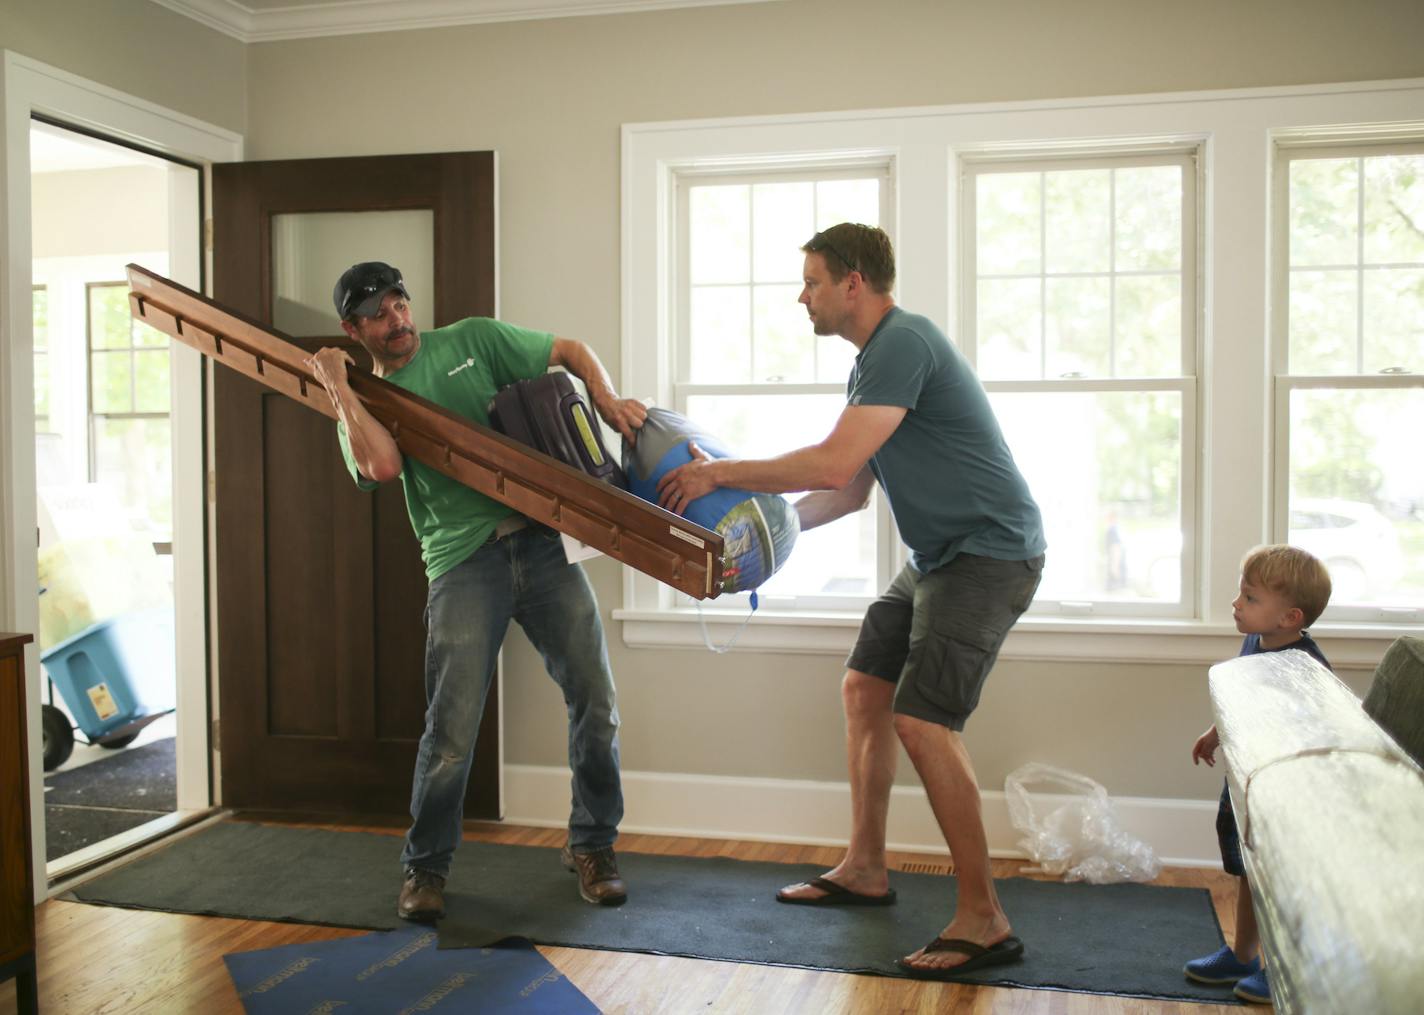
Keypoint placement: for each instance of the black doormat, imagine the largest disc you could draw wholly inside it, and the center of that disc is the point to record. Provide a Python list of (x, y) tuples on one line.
[(90, 803), (1106, 939)]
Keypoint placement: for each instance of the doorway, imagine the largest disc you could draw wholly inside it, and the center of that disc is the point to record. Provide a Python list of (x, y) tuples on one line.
[(32, 88), (104, 417)]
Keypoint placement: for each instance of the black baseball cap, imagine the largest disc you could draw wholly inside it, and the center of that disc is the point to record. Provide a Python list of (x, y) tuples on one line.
[(362, 286)]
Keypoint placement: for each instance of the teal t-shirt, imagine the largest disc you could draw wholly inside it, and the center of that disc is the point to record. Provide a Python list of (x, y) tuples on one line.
[(459, 367), (946, 470)]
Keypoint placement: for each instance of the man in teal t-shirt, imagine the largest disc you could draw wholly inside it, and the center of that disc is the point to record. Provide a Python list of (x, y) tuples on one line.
[(918, 422), (487, 566)]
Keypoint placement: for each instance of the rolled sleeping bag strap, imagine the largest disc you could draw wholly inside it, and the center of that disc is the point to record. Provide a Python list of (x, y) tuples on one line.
[(707, 638)]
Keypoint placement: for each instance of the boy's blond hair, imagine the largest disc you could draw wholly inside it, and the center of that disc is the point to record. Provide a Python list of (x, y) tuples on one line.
[(1291, 573)]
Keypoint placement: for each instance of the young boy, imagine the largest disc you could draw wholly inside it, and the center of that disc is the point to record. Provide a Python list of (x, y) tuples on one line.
[(1283, 591)]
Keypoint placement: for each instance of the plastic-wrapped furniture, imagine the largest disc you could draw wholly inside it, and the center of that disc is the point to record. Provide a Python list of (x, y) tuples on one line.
[(1331, 814)]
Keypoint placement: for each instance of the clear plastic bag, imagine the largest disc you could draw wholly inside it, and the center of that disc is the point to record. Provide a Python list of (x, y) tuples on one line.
[(1075, 831)]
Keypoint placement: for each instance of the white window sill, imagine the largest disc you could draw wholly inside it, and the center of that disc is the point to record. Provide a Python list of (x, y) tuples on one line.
[(1348, 646)]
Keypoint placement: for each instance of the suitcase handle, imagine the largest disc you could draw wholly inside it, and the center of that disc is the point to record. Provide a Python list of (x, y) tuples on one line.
[(592, 448)]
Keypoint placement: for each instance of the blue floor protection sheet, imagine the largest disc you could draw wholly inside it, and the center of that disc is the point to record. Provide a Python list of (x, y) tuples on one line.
[(402, 971)]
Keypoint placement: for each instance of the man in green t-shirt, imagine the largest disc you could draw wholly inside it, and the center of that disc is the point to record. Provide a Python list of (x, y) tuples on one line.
[(487, 566), (918, 422)]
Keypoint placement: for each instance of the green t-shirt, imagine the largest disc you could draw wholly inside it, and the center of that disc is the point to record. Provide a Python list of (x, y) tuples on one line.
[(952, 484), (459, 367)]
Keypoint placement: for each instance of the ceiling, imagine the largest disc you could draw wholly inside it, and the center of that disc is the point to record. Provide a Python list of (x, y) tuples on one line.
[(272, 20), (56, 150)]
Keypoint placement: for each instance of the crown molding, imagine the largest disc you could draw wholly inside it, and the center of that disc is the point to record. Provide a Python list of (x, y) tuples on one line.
[(356, 17)]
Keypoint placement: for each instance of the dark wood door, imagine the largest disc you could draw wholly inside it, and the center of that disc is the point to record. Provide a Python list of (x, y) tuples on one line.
[(320, 587)]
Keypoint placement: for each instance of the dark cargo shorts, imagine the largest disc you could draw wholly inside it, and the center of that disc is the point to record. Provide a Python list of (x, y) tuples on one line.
[(937, 635)]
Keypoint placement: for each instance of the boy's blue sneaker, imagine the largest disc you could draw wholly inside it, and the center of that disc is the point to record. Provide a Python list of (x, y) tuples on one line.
[(1221, 966), (1254, 988)]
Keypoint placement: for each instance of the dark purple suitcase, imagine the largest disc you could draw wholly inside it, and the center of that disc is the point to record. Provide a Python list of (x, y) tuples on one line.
[(548, 414)]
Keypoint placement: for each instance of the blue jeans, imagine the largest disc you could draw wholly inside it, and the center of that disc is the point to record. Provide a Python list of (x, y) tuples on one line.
[(523, 577)]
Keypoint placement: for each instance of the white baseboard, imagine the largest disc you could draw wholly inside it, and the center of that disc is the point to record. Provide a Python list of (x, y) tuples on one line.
[(1182, 832)]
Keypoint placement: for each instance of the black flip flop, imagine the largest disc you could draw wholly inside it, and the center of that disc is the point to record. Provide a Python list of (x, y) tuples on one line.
[(1008, 950), (837, 895)]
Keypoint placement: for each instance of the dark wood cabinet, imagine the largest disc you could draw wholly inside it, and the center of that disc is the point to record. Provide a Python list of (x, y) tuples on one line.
[(17, 908)]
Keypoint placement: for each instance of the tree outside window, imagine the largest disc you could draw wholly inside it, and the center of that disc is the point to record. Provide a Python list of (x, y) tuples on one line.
[(1080, 297), (1352, 380), (128, 410)]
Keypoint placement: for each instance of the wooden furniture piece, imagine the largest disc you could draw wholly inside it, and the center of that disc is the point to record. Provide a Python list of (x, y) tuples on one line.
[(1331, 815), (659, 543), (17, 909)]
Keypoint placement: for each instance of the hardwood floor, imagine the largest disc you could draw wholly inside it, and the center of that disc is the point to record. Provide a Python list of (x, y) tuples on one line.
[(99, 959)]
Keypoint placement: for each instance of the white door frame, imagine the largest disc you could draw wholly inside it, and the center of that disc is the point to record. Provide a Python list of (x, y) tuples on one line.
[(33, 87)]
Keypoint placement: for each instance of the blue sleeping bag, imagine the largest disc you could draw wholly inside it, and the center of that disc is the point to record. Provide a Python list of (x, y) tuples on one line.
[(758, 529)]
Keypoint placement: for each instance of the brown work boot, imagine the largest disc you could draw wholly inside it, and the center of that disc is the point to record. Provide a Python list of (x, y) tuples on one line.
[(599, 882), (422, 896)]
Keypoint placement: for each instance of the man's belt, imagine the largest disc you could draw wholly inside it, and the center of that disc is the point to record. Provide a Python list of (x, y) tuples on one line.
[(508, 526)]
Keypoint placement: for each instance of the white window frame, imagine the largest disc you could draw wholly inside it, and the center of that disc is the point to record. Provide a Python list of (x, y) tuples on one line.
[(1099, 156), (1234, 130), (1289, 146), (890, 551)]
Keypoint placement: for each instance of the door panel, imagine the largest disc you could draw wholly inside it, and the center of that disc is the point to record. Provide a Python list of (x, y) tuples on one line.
[(311, 249), (320, 587)]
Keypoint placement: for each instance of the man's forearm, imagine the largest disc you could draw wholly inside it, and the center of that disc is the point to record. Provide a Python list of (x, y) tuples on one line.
[(373, 449), (625, 415), (578, 359), (825, 506), (819, 508), (809, 468)]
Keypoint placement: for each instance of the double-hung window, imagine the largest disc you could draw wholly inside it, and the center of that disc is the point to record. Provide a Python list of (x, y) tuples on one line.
[(1079, 309), (1349, 365), (1182, 370), (747, 366), (129, 407)]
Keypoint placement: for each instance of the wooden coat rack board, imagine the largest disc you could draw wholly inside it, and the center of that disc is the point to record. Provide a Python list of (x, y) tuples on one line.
[(642, 535)]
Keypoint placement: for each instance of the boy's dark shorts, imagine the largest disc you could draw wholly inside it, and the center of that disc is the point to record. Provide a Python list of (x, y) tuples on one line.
[(937, 635), (1227, 837)]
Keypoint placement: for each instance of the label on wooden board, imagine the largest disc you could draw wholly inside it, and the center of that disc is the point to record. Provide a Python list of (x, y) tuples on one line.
[(687, 537)]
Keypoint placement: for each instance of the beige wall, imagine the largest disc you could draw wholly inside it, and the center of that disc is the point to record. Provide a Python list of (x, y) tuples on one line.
[(135, 47), (550, 97)]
